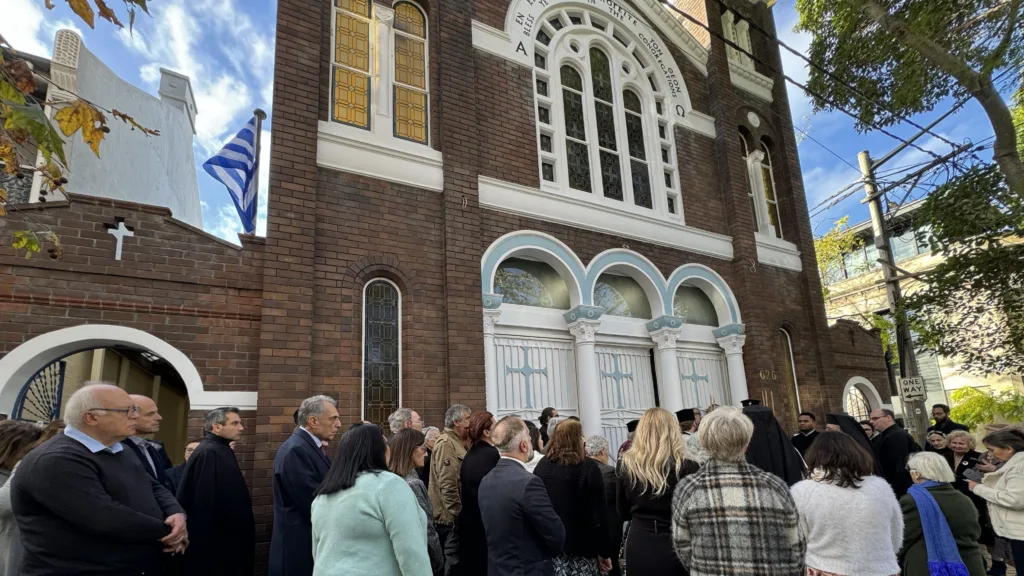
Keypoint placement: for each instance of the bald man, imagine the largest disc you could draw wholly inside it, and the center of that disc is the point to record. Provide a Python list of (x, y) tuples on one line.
[(150, 453), (81, 492)]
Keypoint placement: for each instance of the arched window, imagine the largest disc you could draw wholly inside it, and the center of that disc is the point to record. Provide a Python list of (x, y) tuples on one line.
[(856, 404), (621, 296), (604, 126), (382, 349), (788, 375), (531, 283), (350, 99), (768, 177), (692, 305), (410, 90)]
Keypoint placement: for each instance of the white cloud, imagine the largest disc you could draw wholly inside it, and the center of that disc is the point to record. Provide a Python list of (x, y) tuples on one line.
[(29, 29), (204, 204)]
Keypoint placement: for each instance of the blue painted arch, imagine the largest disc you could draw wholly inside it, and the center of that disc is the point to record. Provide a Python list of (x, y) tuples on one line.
[(582, 280)]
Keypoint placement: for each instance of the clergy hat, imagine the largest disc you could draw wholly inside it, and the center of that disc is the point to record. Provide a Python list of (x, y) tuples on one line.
[(685, 415), (631, 425), (750, 402)]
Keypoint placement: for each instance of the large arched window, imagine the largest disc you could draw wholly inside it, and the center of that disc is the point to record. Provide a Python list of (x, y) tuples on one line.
[(764, 202), (531, 283), (350, 98), (768, 177), (603, 121), (692, 305), (856, 404), (382, 349), (621, 296), (410, 90)]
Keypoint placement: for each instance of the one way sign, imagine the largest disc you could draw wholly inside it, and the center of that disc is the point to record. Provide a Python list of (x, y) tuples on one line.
[(912, 388)]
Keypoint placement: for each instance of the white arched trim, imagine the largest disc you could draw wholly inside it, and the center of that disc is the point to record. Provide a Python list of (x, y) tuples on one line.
[(628, 263), (712, 284), (22, 363), (865, 386), (535, 246)]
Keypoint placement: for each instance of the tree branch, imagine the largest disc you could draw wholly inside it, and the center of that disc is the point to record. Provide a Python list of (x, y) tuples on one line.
[(979, 85), (1004, 44)]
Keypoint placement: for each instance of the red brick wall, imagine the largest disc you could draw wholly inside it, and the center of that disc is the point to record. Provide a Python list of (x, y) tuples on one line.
[(858, 352)]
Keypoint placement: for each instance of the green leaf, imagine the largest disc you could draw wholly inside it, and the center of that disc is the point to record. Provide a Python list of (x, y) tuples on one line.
[(32, 118), (9, 94), (27, 241)]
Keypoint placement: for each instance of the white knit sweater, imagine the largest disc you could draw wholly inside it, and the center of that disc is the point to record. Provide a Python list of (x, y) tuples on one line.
[(850, 531)]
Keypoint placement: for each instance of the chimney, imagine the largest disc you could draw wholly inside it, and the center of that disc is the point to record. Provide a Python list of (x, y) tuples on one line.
[(176, 90)]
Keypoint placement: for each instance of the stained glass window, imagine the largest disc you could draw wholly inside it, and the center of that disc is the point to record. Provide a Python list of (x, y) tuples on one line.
[(545, 143), (692, 305), (768, 177), (351, 72), (611, 177), (745, 148), (641, 177), (578, 159), (621, 296), (604, 113), (602, 75), (381, 350), (410, 96), (531, 283)]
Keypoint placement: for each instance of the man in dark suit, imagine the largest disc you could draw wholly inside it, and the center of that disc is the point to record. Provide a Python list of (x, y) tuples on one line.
[(597, 449), (523, 531), (299, 467), (174, 475), (940, 413), (892, 447), (150, 453)]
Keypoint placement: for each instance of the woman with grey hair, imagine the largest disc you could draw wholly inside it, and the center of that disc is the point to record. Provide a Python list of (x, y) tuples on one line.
[(731, 516), (941, 528)]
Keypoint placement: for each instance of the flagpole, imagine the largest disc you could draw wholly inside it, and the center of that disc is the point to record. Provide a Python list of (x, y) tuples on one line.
[(260, 117)]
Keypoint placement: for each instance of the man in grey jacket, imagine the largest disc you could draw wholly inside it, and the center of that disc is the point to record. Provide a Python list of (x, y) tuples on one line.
[(523, 531)]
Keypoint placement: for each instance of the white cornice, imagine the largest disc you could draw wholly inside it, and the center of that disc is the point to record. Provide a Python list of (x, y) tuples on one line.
[(553, 207), (358, 151), (750, 81), (777, 252)]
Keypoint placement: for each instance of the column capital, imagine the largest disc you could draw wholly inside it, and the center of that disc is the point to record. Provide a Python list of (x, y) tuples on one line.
[(584, 330), (491, 316), (665, 322), (665, 338), (582, 312), (729, 330), (492, 301), (732, 344), (383, 14)]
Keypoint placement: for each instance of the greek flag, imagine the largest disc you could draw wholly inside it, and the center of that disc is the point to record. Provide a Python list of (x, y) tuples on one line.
[(235, 166)]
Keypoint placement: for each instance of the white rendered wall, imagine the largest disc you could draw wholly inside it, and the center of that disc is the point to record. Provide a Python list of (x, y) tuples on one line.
[(155, 170)]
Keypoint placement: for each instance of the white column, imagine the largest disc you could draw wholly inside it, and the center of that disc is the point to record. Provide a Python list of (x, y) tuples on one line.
[(763, 224), (733, 346), (491, 316), (743, 39), (383, 17), (588, 383), (669, 392)]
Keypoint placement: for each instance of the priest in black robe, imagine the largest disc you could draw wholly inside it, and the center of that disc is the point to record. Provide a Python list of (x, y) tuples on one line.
[(848, 425), (770, 448), (213, 492)]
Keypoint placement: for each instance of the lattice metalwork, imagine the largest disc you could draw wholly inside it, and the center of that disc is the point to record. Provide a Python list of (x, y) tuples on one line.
[(856, 404), (381, 351), (641, 184), (39, 400), (601, 75), (351, 98), (611, 175), (410, 114), (19, 189)]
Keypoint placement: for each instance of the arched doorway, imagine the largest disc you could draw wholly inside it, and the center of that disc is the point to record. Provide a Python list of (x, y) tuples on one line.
[(860, 397), (31, 375)]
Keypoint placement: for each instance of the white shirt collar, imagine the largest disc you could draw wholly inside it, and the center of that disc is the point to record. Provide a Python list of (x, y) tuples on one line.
[(319, 442), (516, 460), (89, 442)]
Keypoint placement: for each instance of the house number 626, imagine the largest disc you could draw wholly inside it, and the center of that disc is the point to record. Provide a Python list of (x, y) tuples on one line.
[(768, 375)]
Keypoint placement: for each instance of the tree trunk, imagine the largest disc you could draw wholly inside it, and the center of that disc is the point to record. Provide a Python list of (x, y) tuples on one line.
[(979, 86)]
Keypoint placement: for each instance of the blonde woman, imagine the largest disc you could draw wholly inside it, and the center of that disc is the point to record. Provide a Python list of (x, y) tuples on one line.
[(647, 477)]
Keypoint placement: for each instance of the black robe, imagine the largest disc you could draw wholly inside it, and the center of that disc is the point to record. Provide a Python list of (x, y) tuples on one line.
[(802, 442), (221, 528), (770, 448), (852, 428), (892, 448)]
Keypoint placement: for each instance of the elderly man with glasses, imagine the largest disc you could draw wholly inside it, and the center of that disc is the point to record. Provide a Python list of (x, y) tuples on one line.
[(81, 493)]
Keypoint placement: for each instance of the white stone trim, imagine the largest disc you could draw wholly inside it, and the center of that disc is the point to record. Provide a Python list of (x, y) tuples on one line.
[(777, 252), (494, 41), (379, 155), (869, 390), (582, 213), (27, 359), (750, 81), (698, 122), (669, 25)]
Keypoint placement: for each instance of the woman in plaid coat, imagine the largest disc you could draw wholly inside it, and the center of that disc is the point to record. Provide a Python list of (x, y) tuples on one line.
[(731, 518)]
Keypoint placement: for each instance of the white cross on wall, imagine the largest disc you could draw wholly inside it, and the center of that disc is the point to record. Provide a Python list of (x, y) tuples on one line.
[(120, 232)]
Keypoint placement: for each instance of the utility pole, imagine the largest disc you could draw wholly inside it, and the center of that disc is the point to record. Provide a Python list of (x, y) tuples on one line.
[(915, 411)]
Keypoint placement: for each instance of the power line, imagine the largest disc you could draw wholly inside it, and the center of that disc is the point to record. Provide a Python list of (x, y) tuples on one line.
[(840, 81), (794, 82)]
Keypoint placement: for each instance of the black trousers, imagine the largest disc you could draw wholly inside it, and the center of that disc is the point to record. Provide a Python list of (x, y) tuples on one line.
[(1017, 549), (449, 537)]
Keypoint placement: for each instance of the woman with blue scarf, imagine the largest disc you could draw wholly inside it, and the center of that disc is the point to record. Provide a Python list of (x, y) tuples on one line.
[(941, 529)]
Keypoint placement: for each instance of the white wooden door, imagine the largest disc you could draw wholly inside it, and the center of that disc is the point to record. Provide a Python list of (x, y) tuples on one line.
[(703, 378), (627, 390), (534, 374)]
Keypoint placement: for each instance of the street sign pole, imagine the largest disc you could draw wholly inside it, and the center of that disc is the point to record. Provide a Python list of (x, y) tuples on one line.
[(917, 417)]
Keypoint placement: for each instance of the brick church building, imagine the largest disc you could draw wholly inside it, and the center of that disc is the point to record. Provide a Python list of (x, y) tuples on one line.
[(594, 205)]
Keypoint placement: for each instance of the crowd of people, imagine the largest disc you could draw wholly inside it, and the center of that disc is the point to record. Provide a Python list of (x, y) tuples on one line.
[(720, 493)]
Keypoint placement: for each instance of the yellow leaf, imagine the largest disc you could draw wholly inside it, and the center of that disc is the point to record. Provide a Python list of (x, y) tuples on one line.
[(131, 122), (83, 9), (3, 202), (49, 5), (80, 115), (107, 14)]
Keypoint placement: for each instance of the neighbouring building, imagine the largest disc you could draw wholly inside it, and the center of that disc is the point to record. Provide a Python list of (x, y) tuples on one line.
[(856, 292), (509, 204)]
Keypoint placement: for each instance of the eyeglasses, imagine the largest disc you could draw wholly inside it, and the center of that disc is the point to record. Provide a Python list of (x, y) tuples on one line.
[(126, 411)]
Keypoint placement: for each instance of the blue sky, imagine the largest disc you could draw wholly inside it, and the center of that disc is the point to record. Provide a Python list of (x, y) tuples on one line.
[(226, 47)]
